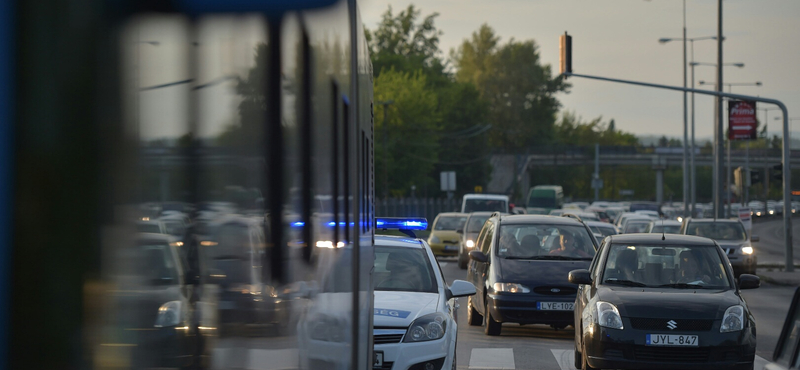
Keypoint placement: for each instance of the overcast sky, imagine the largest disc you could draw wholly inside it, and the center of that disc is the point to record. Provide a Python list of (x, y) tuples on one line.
[(619, 39)]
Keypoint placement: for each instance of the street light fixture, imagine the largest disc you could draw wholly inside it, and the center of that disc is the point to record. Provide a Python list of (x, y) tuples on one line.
[(686, 191), (692, 172)]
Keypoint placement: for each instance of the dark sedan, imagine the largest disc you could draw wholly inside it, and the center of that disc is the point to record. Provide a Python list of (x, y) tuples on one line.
[(520, 270), (662, 302)]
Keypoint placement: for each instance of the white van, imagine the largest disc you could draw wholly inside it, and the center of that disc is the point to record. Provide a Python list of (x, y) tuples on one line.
[(484, 202)]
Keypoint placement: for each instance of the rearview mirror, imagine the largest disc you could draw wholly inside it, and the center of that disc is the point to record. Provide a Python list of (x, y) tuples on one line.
[(579, 277), (460, 288), (478, 256), (747, 281), (460, 231)]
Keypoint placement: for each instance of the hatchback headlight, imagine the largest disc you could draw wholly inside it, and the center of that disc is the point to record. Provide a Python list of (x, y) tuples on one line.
[(510, 288), (428, 327), (608, 315), (169, 314), (434, 240), (470, 243), (733, 319)]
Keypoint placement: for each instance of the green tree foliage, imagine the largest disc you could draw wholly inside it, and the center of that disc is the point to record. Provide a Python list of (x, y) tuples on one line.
[(520, 90), (410, 126), (405, 47), (572, 130)]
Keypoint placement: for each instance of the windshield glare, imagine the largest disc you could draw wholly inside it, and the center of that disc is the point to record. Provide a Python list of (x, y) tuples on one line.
[(718, 230), (665, 266), (538, 240)]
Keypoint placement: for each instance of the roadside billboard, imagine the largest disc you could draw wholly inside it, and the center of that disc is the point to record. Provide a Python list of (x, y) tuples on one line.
[(741, 120)]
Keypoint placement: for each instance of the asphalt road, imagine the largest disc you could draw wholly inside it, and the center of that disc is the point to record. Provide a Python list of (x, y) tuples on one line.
[(771, 247), (540, 347)]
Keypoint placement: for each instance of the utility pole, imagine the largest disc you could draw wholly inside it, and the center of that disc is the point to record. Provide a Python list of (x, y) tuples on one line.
[(685, 126), (719, 145)]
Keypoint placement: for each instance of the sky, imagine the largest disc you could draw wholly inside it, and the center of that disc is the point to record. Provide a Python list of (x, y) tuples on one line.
[(619, 39)]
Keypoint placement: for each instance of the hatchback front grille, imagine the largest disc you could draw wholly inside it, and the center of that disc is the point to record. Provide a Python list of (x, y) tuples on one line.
[(671, 354), (647, 323), (555, 290), (387, 338)]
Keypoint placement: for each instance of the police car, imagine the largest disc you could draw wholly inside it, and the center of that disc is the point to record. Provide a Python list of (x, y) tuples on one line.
[(415, 311)]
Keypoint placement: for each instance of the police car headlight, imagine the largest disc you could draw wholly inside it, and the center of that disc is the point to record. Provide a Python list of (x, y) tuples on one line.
[(428, 327), (470, 244), (510, 288), (747, 249), (169, 314), (608, 315), (434, 240), (733, 319)]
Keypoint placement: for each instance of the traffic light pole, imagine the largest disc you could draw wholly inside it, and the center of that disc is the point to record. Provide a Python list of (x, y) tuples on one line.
[(787, 203)]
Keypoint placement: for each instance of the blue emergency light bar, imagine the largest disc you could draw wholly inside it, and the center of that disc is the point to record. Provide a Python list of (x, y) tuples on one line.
[(401, 223), (330, 224)]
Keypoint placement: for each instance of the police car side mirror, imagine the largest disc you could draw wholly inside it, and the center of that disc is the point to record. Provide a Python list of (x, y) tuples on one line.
[(460, 288), (754, 238), (478, 256), (747, 281), (579, 277)]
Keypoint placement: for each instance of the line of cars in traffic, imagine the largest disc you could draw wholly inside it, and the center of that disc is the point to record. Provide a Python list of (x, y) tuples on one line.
[(663, 295)]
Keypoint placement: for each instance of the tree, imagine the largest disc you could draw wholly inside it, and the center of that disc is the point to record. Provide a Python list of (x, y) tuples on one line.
[(520, 90)]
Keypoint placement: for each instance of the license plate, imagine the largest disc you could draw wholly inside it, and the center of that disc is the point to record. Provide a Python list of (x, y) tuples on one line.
[(671, 340), (225, 305), (555, 306), (451, 248), (377, 359)]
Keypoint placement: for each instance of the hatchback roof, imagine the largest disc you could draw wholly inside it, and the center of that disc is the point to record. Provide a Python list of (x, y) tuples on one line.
[(656, 239), (542, 219)]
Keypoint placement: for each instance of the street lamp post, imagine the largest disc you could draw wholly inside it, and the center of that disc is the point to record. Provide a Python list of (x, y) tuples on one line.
[(692, 172), (728, 149)]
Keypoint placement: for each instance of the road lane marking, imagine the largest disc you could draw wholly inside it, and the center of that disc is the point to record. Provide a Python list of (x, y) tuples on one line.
[(442, 264), (565, 358), (492, 358)]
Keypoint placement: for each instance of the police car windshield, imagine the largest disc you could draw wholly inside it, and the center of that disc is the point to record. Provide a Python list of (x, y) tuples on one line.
[(403, 269)]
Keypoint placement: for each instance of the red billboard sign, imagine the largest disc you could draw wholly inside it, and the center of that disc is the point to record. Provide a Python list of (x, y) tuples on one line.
[(741, 120)]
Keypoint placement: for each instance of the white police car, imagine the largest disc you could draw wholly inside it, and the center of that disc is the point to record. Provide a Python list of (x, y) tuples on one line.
[(414, 320)]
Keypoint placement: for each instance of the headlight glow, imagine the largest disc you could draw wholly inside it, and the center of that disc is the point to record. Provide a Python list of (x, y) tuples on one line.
[(169, 314), (747, 250), (608, 315), (425, 328), (470, 243), (733, 319), (510, 288)]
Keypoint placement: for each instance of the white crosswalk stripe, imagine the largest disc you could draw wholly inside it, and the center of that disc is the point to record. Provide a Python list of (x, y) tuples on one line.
[(492, 358)]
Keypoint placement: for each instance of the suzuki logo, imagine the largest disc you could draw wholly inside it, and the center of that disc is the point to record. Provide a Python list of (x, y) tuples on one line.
[(672, 324), (555, 290)]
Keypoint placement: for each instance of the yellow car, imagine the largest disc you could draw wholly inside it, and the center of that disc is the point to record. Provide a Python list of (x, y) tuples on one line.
[(444, 240)]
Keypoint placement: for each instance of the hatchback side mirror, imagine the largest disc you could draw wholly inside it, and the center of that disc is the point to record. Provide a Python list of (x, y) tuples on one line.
[(754, 238), (747, 281), (478, 256), (579, 277)]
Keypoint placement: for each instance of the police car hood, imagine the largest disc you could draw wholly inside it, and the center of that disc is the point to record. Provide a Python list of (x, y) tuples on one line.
[(399, 309)]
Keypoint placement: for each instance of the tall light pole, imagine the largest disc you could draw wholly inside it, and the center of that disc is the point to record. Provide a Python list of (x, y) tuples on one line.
[(728, 141), (685, 120), (385, 150), (692, 172), (718, 130)]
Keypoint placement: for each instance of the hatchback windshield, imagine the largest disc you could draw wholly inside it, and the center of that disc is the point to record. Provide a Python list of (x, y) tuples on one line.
[(670, 266), (449, 222), (541, 241), (403, 269), (718, 230)]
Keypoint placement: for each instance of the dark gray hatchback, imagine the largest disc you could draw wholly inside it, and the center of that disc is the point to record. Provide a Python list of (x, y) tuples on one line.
[(520, 268)]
